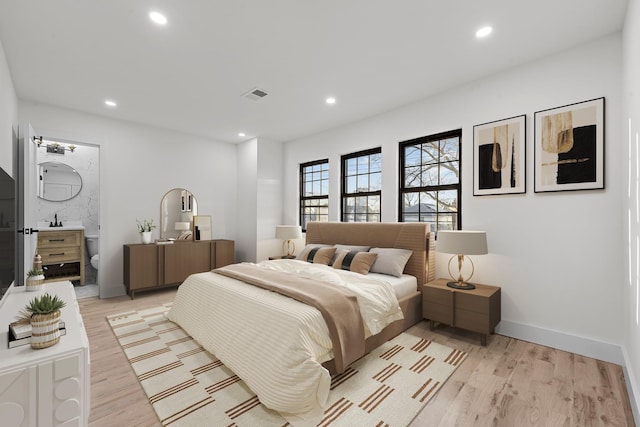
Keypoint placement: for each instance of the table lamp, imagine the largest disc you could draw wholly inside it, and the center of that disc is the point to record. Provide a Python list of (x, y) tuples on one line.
[(185, 229), (287, 233), (461, 243)]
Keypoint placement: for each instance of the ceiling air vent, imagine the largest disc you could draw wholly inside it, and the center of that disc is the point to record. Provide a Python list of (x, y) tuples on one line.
[(255, 94)]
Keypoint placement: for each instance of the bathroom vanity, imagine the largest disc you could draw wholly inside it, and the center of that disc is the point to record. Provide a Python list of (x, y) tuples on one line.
[(62, 252)]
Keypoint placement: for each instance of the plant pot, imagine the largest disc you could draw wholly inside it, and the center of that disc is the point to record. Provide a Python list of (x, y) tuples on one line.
[(45, 329), (35, 283), (146, 237)]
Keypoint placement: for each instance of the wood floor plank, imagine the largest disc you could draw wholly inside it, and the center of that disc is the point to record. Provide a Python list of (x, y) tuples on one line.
[(507, 383)]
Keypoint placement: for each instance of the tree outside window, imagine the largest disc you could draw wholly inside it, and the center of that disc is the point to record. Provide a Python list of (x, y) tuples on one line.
[(430, 189)]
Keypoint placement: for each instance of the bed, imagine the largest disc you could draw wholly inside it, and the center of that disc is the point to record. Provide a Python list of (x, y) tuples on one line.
[(283, 349)]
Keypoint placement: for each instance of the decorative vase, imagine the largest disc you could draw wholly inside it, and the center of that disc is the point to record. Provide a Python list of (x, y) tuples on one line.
[(45, 329), (146, 237), (35, 283)]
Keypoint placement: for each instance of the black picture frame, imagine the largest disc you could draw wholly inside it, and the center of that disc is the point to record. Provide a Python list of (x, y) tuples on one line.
[(499, 157), (570, 147)]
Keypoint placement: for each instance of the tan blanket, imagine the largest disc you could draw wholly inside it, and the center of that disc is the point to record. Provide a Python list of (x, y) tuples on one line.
[(339, 306)]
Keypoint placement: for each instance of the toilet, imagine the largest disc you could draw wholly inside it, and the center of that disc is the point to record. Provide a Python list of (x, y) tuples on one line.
[(92, 249)]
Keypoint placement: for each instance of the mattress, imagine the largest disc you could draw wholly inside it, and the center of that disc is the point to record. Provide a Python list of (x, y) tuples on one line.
[(403, 286)]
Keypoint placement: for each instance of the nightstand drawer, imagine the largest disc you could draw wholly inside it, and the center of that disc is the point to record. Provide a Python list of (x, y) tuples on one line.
[(437, 296), (471, 302), (472, 321), (437, 312)]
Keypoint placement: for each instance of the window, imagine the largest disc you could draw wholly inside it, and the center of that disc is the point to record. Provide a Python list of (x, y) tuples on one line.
[(314, 192), (430, 189), (361, 186)]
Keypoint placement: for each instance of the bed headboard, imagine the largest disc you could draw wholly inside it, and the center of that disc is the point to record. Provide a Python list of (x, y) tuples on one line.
[(414, 236)]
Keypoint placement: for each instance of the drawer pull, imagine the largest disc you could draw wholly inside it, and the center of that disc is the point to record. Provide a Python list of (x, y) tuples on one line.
[(56, 240), (60, 254)]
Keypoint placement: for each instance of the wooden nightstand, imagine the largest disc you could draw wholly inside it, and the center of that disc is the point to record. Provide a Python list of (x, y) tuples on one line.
[(476, 310)]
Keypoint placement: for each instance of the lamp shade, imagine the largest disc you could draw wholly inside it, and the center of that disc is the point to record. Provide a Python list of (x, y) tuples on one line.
[(287, 232), (183, 226), (462, 242)]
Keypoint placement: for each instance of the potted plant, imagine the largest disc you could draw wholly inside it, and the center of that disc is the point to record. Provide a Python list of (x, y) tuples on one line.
[(144, 228), (45, 320), (35, 280)]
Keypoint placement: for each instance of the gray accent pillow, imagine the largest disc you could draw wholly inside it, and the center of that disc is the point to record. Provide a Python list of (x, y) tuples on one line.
[(390, 261)]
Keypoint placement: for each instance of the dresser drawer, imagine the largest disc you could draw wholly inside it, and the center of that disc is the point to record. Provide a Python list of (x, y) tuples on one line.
[(60, 254), (51, 239)]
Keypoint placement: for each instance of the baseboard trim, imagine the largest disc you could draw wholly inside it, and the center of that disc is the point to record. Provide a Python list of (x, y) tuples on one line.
[(575, 344), (632, 387)]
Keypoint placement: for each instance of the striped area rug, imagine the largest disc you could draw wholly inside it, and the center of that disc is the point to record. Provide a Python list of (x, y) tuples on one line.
[(187, 386)]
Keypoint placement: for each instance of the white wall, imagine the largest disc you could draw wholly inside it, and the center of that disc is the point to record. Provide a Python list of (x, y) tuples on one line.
[(138, 165), (631, 200), (269, 204), (557, 256), (8, 116), (247, 204), (260, 203)]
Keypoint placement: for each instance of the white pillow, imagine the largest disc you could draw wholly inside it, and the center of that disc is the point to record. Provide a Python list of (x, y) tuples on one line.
[(351, 248), (390, 261)]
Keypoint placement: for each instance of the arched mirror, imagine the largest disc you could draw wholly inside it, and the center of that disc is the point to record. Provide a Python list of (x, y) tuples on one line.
[(177, 208), (58, 181)]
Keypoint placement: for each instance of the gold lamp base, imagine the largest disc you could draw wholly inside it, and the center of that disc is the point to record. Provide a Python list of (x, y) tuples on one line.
[(460, 283), (290, 248)]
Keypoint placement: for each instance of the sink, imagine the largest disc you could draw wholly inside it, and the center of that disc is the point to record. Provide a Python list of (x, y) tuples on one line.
[(68, 225)]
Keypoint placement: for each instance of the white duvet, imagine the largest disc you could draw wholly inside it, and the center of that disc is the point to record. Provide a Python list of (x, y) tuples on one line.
[(275, 344)]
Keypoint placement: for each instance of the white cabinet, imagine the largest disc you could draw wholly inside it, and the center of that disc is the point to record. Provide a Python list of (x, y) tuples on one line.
[(50, 386)]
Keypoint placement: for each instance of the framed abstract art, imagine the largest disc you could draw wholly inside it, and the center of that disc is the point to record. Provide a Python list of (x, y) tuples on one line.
[(499, 157), (569, 147)]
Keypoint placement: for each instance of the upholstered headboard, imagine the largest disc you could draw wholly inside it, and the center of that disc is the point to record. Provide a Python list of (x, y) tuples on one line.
[(404, 235)]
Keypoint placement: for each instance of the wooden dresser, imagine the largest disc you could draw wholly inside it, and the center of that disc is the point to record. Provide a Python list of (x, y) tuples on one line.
[(62, 253), (154, 266)]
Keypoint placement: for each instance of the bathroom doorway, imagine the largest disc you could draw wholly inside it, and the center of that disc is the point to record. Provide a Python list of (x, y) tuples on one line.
[(74, 202)]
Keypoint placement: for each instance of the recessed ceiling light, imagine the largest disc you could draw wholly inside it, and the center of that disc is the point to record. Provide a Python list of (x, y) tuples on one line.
[(241, 134), (158, 18), (110, 103), (330, 100), (484, 32)]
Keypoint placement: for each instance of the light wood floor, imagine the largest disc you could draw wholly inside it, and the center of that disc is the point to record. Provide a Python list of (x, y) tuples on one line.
[(507, 383)]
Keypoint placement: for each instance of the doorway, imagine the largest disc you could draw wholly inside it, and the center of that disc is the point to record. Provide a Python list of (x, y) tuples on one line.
[(66, 189)]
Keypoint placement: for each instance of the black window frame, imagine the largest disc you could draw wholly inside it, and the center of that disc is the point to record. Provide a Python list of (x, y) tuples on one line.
[(304, 198), (402, 191), (343, 183)]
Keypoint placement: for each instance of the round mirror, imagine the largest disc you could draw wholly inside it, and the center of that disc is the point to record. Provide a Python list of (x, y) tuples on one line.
[(58, 181), (177, 208)]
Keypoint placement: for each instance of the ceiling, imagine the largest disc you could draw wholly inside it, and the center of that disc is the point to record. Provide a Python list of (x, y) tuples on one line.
[(189, 75)]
